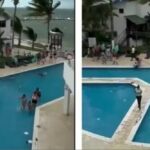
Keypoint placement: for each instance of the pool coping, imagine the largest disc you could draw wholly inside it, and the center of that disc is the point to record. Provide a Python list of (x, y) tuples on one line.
[(96, 136), (120, 126), (136, 127), (36, 120), (111, 66)]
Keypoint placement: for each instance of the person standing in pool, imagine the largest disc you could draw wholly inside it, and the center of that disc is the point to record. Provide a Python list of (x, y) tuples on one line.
[(38, 92), (34, 99), (138, 93), (23, 100), (29, 106)]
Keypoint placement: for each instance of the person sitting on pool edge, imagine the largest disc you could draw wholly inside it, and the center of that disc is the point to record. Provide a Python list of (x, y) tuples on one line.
[(137, 62)]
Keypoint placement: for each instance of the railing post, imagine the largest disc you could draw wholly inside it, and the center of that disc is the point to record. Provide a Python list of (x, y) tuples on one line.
[(67, 100)]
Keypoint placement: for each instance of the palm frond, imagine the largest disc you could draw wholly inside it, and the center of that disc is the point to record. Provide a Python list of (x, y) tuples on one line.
[(29, 32), (56, 5), (18, 27), (16, 2)]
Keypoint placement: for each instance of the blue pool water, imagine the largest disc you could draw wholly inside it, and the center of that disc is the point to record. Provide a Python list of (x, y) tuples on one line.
[(142, 73), (104, 106), (143, 133), (14, 122)]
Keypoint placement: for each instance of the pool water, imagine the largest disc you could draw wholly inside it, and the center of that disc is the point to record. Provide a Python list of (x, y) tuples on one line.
[(143, 133), (142, 73), (15, 122), (104, 106)]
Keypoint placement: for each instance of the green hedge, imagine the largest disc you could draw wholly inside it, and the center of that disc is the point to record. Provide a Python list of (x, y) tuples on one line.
[(2, 62), (9, 61)]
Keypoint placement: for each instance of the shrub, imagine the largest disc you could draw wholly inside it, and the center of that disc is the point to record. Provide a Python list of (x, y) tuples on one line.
[(9, 61), (2, 62)]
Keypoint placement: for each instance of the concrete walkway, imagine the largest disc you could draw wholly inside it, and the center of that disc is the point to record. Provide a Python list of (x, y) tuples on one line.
[(56, 130)]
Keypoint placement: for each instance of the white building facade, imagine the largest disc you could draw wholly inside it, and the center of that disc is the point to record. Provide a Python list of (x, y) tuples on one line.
[(128, 12), (5, 27)]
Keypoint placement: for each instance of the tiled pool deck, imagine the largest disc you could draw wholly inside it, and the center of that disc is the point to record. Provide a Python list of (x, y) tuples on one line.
[(56, 129), (119, 140)]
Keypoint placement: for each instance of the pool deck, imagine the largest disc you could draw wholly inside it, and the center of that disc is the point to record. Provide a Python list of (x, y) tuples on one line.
[(122, 61), (120, 139), (52, 128)]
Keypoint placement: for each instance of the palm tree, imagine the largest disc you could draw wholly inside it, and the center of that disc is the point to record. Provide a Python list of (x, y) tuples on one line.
[(95, 15), (18, 28), (16, 2), (43, 8), (30, 33)]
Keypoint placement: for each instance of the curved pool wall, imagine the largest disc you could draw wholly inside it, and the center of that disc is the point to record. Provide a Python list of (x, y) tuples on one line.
[(15, 122), (142, 73), (143, 133), (102, 115)]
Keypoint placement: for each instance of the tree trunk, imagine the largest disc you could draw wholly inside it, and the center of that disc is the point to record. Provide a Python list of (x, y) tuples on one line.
[(111, 23), (48, 28), (32, 44), (15, 10), (19, 40)]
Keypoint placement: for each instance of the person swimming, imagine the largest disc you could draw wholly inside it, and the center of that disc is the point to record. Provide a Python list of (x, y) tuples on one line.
[(42, 74)]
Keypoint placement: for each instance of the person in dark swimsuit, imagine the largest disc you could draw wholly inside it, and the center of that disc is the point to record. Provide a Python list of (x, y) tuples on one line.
[(34, 99), (38, 92)]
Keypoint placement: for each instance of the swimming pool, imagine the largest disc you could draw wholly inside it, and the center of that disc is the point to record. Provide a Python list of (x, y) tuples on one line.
[(104, 106), (15, 122), (143, 132), (142, 73)]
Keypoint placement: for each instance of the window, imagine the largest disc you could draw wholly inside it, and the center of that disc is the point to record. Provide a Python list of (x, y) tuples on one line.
[(2, 23), (121, 10)]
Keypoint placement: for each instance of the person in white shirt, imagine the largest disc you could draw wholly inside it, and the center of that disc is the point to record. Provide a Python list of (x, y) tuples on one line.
[(133, 52)]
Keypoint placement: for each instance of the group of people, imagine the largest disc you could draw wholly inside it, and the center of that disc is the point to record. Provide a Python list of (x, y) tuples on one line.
[(30, 104), (105, 53), (41, 56)]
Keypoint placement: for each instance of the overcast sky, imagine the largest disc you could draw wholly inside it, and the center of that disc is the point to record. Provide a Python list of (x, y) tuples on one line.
[(24, 3)]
